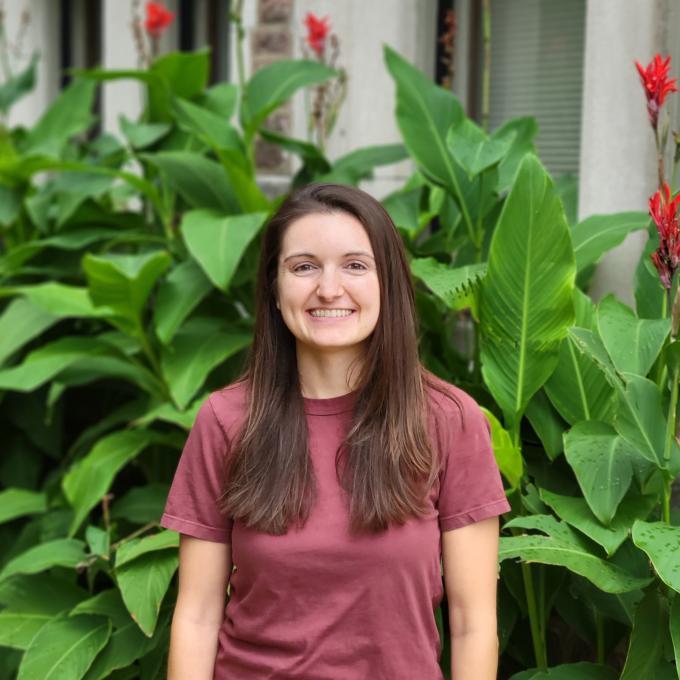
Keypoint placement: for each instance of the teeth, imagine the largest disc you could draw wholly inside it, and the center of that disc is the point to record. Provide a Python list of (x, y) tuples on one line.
[(331, 312)]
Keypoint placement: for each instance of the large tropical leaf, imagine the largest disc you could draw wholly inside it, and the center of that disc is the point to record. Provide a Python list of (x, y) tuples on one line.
[(633, 344), (646, 647), (198, 347), (18, 85), (449, 284), (274, 84), (178, 295), (123, 283), (19, 502), (65, 648), (597, 234), (61, 552), (674, 621), (603, 463), (575, 511), (526, 296), (473, 149), (143, 583), (569, 671), (218, 241), (89, 479), (425, 113), (661, 542), (563, 547)]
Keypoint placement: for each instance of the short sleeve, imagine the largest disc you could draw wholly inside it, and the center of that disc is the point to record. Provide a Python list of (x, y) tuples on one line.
[(470, 488), (192, 506)]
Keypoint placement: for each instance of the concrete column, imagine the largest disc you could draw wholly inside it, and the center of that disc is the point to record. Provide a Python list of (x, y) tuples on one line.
[(367, 114), (618, 161), (42, 37)]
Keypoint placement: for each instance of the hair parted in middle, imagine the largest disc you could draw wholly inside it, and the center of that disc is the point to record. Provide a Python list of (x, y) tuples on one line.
[(386, 463)]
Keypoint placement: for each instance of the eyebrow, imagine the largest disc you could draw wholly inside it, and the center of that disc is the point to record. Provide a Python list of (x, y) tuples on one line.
[(352, 254)]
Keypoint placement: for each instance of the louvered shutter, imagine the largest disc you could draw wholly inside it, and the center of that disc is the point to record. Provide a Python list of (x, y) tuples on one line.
[(537, 49)]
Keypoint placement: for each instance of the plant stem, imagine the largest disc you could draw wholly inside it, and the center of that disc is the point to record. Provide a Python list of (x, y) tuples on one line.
[(486, 67), (599, 624), (534, 623)]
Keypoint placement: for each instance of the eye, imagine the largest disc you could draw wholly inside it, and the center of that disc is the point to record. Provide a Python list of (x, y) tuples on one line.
[(357, 266), (302, 268)]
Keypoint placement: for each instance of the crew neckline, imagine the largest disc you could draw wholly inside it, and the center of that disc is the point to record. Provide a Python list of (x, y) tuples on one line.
[(331, 405)]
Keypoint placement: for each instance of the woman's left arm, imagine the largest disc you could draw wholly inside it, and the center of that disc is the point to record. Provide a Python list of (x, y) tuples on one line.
[(470, 557)]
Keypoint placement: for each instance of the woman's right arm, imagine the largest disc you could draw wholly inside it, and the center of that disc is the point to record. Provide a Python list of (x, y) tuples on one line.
[(204, 570)]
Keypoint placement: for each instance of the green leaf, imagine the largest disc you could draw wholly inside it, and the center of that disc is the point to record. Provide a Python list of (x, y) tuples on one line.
[(508, 456), (88, 480), (201, 182), (640, 420), (143, 583), (274, 84), (521, 132), (674, 621), (425, 113), (562, 547), (19, 502), (16, 86), (221, 99), (141, 504), (136, 547), (358, 164), (645, 650), (20, 322), (68, 115), (649, 293), (633, 344), (65, 648), (447, 283), (183, 74), (31, 602), (211, 128), (602, 462), (661, 542), (575, 511), (141, 135), (62, 552), (526, 296), (569, 671), (107, 603), (217, 241), (198, 347), (58, 299), (10, 205), (546, 423), (597, 234), (123, 283), (178, 295), (473, 149)]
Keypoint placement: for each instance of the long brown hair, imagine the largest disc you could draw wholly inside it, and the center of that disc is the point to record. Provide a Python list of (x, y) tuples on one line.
[(387, 462)]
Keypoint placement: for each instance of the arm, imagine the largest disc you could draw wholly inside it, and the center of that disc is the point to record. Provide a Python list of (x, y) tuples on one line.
[(204, 570), (470, 556)]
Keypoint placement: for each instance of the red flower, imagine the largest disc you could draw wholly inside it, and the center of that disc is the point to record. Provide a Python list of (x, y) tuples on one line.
[(158, 18), (657, 85), (317, 32), (664, 212)]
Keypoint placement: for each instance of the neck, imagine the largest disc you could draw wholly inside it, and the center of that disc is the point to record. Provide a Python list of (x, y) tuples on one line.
[(328, 374)]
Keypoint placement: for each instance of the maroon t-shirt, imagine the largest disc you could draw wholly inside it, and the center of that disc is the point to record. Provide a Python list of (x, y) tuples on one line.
[(319, 603)]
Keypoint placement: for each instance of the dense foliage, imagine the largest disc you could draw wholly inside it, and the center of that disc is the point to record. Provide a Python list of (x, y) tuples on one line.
[(126, 278)]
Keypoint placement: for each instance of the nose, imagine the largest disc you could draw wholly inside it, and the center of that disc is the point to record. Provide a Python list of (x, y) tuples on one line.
[(330, 285)]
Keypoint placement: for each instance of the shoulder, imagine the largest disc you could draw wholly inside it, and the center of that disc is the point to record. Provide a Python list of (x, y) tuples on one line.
[(226, 407), (448, 399)]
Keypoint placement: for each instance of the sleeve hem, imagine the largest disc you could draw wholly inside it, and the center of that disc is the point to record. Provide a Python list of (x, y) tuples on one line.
[(493, 509), (185, 526)]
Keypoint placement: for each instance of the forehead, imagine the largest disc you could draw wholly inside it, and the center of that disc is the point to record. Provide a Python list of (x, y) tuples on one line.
[(325, 232)]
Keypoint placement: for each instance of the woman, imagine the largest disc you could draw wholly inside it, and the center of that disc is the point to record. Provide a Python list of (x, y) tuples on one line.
[(334, 476)]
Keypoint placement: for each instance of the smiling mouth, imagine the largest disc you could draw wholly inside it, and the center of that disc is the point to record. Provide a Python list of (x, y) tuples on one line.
[(330, 313)]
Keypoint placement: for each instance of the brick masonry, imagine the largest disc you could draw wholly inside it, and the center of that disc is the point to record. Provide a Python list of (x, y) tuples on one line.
[(272, 40)]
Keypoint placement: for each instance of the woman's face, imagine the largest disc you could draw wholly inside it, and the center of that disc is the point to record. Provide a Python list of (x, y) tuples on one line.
[(327, 284)]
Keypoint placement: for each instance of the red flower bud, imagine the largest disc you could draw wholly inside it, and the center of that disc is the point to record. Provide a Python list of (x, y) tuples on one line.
[(664, 213), (657, 85), (317, 32), (158, 18)]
